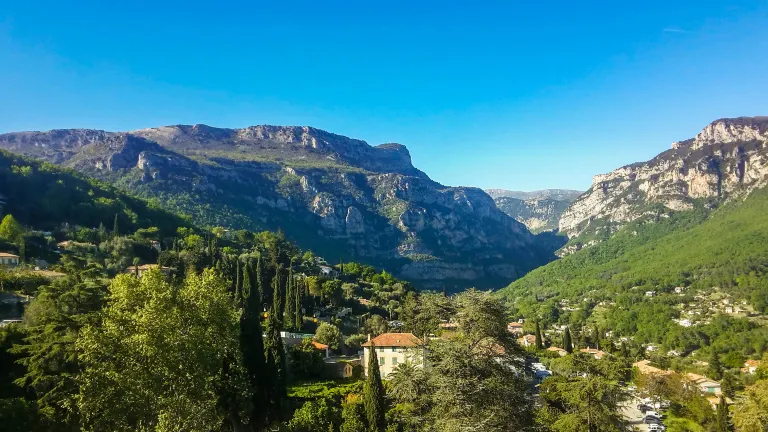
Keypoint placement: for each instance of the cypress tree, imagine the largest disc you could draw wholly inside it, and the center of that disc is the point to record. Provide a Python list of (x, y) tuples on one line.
[(276, 367), (115, 230), (277, 292), (539, 341), (237, 282), (715, 370), (298, 292), (252, 347), (373, 394), (290, 302), (567, 344), (721, 424)]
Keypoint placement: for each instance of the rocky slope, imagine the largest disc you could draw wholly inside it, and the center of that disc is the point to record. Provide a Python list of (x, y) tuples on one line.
[(336, 195), (728, 158), (537, 210)]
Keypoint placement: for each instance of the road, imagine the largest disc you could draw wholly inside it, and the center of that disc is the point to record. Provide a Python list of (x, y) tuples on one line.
[(634, 415)]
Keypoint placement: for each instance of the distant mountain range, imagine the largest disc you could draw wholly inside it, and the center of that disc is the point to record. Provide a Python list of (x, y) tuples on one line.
[(333, 194), (538, 210)]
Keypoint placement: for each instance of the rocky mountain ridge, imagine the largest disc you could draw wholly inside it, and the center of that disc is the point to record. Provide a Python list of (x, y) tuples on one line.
[(537, 210), (337, 195), (728, 158)]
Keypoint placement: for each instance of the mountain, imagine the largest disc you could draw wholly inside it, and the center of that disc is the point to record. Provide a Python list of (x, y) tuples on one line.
[(538, 210), (727, 159), (336, 195)]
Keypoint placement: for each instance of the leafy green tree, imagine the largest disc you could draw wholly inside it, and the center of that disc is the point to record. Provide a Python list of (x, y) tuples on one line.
[(750, 414), (376, 325), (330, 335), (10, 230), (352, 414), (306, 361), (151, 362), (590, 404), (373, 395), (315, 416)]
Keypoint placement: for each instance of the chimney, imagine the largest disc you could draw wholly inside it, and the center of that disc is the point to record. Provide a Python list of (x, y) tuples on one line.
[(369, 337)]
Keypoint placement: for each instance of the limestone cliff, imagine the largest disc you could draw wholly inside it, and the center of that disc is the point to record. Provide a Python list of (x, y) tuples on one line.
[(336, 195), (537, 210), (727, 159)]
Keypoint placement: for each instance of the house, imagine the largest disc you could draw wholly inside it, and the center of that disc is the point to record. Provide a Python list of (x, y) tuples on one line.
[(322, 347), (715, 401), (683, 322), (729, 309), (8, 259), (750, 366), (156, 245), (679, 290), (650, 293), (652, 348), (140, 270), (705, 385), (515, 328), (328, 271), (527, 340), (341, 367), (645, 368), (595, 352), (560, 351), (392, 349), (448, 326)]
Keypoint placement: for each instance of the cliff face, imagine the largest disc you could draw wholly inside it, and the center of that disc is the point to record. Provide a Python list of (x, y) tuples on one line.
[(728, 158), (537, 210), (336, 195)]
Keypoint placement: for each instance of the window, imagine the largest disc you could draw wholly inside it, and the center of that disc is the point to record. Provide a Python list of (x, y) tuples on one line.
[(394, 361), (381, 361)]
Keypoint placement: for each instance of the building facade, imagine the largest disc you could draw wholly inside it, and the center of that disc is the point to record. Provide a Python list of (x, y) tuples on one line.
[(393, 349)]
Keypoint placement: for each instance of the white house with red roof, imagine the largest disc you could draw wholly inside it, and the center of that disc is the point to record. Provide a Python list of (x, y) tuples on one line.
[(393, 349)]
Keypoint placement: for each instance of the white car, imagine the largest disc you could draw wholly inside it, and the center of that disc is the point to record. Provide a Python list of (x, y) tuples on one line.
[(653, 413), (655, 427)]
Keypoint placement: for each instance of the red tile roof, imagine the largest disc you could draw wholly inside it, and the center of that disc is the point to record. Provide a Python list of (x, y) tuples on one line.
[(319, 346), (394, 340)]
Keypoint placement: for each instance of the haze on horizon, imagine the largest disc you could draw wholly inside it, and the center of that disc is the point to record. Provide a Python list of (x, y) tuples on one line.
[(499, 95)]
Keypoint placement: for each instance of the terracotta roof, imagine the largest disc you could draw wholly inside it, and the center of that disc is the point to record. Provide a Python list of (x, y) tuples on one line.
[(645, 368), (394, 340), (752, 363), (515, 324), (319, 346), (596, 352), (556, 349), (529, 338), (7, 255)]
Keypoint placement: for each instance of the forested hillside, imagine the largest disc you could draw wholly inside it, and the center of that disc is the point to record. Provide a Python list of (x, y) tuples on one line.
[(685, 265)]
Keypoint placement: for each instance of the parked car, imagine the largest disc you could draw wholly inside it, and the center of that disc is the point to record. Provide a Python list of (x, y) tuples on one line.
[(656, 427), (653, 413), (651, 420), (643, 408)]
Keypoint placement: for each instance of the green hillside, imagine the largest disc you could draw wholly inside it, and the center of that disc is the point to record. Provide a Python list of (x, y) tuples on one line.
[(45, 196), (712, 253)]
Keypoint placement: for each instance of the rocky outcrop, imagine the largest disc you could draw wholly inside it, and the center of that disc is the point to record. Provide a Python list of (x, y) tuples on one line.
[(537, 210), (336, 195), (727, 158)]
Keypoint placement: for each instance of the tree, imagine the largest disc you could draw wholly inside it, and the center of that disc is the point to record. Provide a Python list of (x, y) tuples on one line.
[(277, 292), (539, 340), (729, 384), (330, 335), (115, 228), (276, 366), (290, 301), (151, 362), (352, 414), (715, 369), (376, 325), (406, 383), (252, 348), (589, 404), (750, 414), (299, 312), (721, 422), (10, 230), (373, 395), (567, 343)]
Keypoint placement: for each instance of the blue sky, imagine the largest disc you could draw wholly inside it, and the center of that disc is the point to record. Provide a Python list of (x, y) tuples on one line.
[(509, 94)]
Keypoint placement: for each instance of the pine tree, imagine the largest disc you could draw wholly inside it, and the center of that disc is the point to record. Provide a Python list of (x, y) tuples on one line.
[(373, 394), (567, 344), (539, 341), (252, 346)]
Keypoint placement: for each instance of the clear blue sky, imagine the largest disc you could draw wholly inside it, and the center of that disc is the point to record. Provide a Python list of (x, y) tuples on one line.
[(509, 94)]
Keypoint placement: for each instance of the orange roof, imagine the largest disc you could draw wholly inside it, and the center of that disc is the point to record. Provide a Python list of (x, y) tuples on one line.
[(7, 255), (319, 346), (515, 324), (394, 340), (555, 349), (752, 363)]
